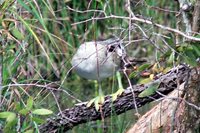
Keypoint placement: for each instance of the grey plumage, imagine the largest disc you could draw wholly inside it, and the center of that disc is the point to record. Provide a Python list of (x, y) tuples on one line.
[(98, 59)]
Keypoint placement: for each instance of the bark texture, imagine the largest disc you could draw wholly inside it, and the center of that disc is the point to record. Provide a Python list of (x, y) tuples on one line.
[(160, 119), (179, 112), (80, 113), (191, 119), (196, 17)]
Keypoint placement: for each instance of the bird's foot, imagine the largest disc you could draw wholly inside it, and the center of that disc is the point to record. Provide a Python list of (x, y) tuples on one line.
[(116, 94), (97, 101)]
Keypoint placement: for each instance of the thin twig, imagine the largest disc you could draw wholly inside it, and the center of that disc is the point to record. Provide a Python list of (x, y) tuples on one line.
[(142, 21), (42, 86)]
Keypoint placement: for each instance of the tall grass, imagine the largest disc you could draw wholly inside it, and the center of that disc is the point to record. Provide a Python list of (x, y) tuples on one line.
[(38, 39)]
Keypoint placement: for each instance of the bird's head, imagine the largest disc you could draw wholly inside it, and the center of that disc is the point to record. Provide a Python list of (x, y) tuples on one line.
[(115, 45)]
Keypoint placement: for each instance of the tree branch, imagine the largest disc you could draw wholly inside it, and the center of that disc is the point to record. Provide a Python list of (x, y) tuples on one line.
[(146, 21), (184, 9), (79, 114), (196, 17)]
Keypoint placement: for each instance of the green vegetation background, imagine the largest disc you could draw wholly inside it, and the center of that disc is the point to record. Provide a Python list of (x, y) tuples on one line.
[(38, 39)]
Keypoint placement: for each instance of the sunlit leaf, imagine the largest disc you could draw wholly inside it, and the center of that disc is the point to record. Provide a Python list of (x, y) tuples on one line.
[(156, 68), (11, 117), (42, 112), (5, 114), (144, 81), (30, 103), (151, 76)]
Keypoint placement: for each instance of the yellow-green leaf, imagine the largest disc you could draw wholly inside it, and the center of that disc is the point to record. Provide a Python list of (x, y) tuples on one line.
[(42, 112), (24, 111), (171, 57), (29, 131), (11, 117), (30, 103), (144, 81), (5, 114), (38, 120), (17, 34)]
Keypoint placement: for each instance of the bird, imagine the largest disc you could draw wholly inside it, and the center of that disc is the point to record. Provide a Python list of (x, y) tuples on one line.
[(97, 60)]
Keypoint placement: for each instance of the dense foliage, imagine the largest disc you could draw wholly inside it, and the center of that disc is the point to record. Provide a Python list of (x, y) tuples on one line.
[(38, 39)]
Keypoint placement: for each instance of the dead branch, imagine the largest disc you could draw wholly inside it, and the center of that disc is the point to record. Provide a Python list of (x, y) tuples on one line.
[(79, 114), (145, 21)]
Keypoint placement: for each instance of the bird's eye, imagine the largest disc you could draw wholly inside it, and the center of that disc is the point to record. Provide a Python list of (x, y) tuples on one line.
[(111, 49)]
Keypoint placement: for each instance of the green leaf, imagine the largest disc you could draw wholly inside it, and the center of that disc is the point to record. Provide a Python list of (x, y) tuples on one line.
[(150, 90), (144, 81), (30, 103), (133, 74), (42, 112), (29, 131), (5, 114), (11, 117), (197, 36), (17, 34), (196, 49), (171, 57), (24, 111), (11, 124), (190, 61), (38, 120), (143, 67), (180, 49)]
